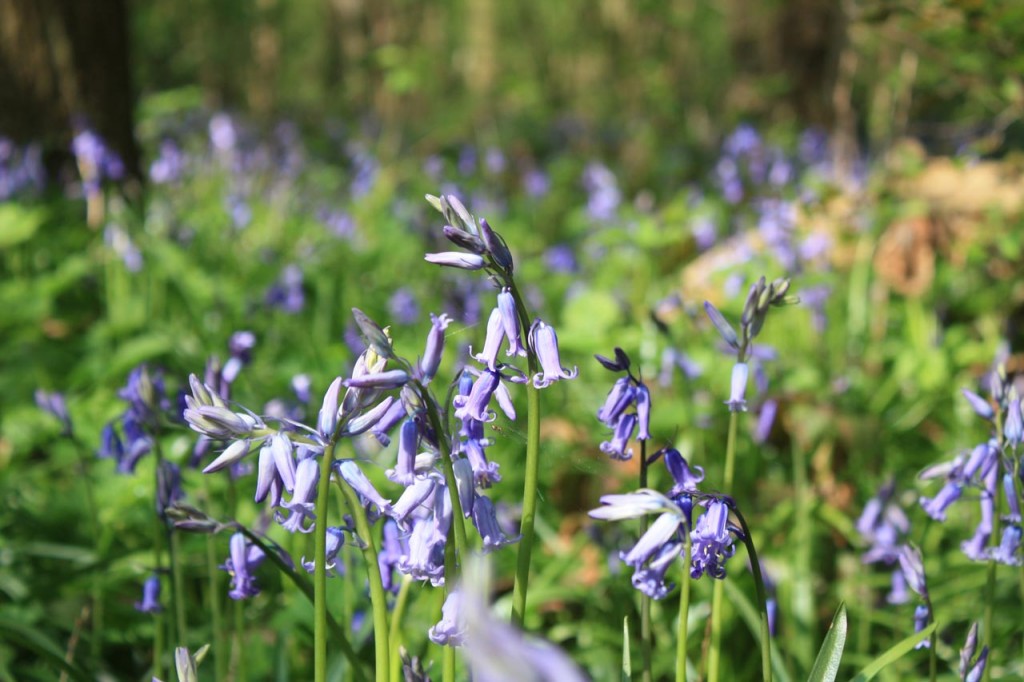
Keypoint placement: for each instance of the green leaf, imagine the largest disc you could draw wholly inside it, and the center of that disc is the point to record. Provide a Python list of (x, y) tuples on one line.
[(826, 666), (898, 651), (627, 666), (42, 645), (19, 223)]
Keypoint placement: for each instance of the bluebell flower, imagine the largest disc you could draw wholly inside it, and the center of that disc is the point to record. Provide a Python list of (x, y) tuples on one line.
[(492, 340), (616, 448), (408, 439), (275, 462), (712, 541), (110, 444), (54, 404), (560, 258), (536, 183), (431, 359), (971, 669), (242, 560), (922, 617), (354, 476), (451, 630), (393, 547), (912, 566), (1013, 428), (335, 541), (737, 394), (168, 486), (287, 294), (456, 259), (545, 344), (1009, 550), (302, 506), (486, 521), (621, 396), (936, 507), (150, 596), (510, 323)]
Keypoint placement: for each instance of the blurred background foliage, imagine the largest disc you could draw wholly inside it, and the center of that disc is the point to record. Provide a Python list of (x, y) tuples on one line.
[(606, 141)]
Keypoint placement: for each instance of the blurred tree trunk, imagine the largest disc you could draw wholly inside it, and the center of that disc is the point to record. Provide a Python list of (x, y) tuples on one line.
[(61, 59)]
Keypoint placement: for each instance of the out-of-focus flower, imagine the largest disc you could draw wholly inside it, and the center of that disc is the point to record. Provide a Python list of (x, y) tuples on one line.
[(150, 596)]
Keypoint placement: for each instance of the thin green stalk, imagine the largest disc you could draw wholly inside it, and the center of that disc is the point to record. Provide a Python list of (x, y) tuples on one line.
[(762, 599), (96, 585), (646, 644), (717, 592), (684, 610), (239, 658), (529, 503), (320, 567), (177, 574), (158, 645), (378, 598), (395, 634), (532, 472)]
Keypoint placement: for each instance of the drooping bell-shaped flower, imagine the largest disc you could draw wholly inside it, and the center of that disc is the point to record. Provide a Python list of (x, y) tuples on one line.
[(545, 344)]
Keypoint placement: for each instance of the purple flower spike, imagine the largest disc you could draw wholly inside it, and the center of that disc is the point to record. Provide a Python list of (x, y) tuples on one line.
[(616, 447), (150, 596), (737, 402), (545, 344), (712, 542), (510, 323), (431, 359), (242, 560), (913, 569), (456, 259), (981, 407)]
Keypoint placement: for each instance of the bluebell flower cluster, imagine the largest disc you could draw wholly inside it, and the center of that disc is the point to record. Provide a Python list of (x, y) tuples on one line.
[(626, 410), (96, 161), (992, 469), (713, 537), (148, 410), (21, 169), (972, 668), (884, 526)]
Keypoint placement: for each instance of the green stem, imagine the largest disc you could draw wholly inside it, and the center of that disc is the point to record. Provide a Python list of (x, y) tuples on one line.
[(531, 472), (646, 644), (158, 645), (320, 567), (529, 504), (241, 673), (717, 592), (395, 635), (378, 598), (96, 586), (762, 599), (177, 573), (684, 611)]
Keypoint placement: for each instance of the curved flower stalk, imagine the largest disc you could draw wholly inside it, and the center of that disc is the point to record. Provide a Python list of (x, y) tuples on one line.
[(484, 249)]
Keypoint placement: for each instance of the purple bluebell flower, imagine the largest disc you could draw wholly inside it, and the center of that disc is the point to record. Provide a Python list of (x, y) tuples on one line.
[(643, 412), (737, 400), (424, 559), (150, 596), (650, 579), (431, 359), (616, 448), (392, 378), (712, 541), (240, 347), (408, 439), (168, 486), (621, 396), (303, 502), (302, 386), (686, 477), (110, 444), (392, 548), (765, 421), (451, 630), (1013, 428), (561, 258), (456, 259), (287, 293), (912, 565), (922, 616), (354, 476), (722, 325), (169, 164), (492, 340), (603, 192), (1009, 550), (54, 404), (510, 323), (980, 406), (485, 519), (936, 506), (242, 560), (335, 541), (545, 344), (971, 669)]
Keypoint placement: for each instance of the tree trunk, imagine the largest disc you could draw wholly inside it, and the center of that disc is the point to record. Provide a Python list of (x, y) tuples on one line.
[(65, 60)]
